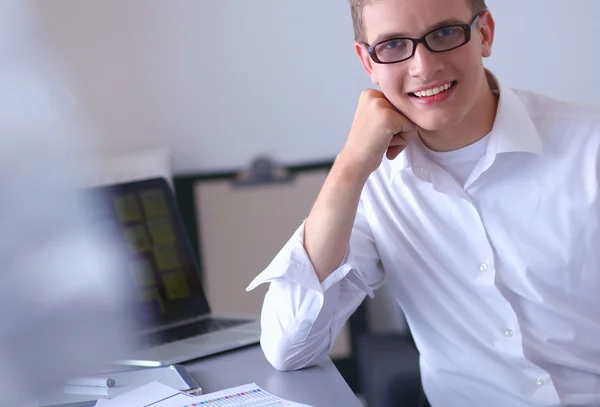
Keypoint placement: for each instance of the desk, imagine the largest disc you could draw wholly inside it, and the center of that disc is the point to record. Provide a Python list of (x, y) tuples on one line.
[(318, 386)]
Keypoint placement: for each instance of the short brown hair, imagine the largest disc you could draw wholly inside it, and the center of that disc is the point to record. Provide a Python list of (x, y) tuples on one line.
[(356, 8)]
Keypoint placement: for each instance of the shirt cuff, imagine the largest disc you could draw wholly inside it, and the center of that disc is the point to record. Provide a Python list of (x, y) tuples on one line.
[(293, 264)]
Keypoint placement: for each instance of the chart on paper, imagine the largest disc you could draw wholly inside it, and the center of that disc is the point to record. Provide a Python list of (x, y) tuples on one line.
[(249, 395)]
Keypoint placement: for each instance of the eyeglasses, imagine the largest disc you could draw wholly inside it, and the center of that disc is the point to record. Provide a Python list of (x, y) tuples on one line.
[(439, 40)]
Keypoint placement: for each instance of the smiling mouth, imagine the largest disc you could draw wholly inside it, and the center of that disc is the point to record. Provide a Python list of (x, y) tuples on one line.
[(433, 91)]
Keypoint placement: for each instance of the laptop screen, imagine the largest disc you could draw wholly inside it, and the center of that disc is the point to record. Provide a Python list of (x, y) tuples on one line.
[(144, 218)]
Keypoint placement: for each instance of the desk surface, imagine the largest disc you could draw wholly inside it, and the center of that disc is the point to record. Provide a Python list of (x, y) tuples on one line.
[(318, 386)]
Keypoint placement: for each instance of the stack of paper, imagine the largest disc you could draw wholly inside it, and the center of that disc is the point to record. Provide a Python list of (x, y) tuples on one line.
[(156, 394)]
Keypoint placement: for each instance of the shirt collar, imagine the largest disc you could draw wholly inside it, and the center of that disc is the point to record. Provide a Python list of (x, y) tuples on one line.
[(513, 130)]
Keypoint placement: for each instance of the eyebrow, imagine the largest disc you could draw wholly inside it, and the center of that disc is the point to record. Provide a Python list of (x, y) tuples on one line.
[(440, 24)]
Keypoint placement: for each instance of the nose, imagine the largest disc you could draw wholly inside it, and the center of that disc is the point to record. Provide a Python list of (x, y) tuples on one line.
[(425, 64)]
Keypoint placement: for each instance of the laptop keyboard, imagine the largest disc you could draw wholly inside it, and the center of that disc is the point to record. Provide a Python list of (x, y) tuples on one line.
[(187, 331)]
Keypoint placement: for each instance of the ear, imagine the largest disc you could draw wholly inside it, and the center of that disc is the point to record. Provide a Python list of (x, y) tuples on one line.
[(365, 59), (487, 27)]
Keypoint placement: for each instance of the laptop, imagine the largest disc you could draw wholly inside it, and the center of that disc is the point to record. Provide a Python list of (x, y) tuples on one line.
[(174, 322)]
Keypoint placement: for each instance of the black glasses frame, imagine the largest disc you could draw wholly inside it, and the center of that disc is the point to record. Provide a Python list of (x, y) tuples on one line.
[(416, 41)]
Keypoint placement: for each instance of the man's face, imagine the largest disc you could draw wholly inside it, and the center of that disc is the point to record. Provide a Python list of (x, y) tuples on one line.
[(462, 67)]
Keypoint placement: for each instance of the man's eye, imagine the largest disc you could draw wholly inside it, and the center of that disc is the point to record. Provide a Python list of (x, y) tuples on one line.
[(446, 32), (394, 44)]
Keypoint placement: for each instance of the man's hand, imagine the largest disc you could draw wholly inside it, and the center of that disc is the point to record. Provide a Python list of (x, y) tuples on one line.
[(378, 128)]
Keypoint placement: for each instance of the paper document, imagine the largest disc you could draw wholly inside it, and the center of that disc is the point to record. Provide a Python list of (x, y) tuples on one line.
[(154, 394), (249, 395)]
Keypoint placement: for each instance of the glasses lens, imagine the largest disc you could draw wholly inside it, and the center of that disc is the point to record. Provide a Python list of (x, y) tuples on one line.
[(447, 38), (394, 50)]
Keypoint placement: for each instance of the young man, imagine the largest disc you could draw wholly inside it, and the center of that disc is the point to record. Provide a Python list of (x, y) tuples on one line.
[(479, 205)]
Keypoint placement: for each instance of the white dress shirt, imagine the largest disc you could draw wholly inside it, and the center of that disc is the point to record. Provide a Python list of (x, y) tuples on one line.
[(499, 279)]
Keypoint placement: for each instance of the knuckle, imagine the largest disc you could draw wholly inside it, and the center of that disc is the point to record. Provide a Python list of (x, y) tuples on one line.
[(370, 94), (369, 91), (365, 94)]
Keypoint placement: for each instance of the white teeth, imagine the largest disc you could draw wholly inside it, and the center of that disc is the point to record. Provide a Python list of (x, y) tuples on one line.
[(434, 91)]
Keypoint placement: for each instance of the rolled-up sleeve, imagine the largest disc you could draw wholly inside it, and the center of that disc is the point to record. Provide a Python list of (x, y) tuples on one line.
[(301, 317)]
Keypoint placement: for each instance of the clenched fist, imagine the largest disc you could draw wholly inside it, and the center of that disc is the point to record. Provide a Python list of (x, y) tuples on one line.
[(378, 128)]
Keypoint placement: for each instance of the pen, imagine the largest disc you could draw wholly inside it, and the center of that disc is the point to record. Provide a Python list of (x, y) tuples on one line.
[(196, 391), (92, 382), (87, 390)]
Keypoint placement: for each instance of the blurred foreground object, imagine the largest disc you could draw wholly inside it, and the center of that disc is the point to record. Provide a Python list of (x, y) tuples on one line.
[(62, 282)]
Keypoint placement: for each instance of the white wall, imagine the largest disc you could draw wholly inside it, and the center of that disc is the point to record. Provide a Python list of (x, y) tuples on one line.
[(549, 46), (219, 81)]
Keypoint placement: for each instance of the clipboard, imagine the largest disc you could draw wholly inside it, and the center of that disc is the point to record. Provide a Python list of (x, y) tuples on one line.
[(175, 376)]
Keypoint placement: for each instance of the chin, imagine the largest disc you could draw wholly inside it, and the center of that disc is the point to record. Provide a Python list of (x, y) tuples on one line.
[(430, 118), (436, 122)]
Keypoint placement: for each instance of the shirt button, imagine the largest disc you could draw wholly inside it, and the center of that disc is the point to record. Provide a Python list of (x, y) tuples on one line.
[(483, 267), (539, 381), (508, 333)]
